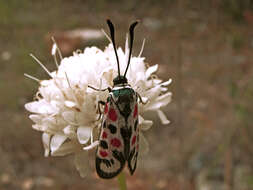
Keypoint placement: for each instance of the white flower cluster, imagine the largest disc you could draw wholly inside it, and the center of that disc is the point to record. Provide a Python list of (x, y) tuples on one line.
[(65, 109)]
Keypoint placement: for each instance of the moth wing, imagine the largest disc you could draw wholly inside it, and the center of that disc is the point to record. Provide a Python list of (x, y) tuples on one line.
[(134, 140), (110, 158)]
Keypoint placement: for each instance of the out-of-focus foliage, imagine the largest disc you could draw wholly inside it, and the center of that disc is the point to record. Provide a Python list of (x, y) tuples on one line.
[(237, 8)]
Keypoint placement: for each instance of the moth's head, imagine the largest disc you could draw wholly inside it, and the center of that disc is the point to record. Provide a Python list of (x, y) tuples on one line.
[(119, 80)]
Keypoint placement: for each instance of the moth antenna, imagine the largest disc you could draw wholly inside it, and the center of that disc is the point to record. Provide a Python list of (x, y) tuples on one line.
[(131, 33), (111, 27)]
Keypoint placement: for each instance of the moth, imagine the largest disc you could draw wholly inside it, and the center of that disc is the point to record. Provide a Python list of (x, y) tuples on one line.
[(119, 135)]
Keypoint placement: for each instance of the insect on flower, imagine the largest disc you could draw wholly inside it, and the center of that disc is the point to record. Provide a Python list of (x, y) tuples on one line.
[(119, 134)]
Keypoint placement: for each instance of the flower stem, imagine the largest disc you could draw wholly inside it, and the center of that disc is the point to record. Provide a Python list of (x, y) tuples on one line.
[(122, 181)]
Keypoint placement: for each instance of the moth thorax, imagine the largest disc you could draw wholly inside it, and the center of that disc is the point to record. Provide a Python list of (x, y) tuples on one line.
[(119, 80)]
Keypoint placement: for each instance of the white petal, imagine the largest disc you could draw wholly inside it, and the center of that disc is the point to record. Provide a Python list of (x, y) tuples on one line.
[(153, 92), (164, 89), (159, 102), (49, 121), (91, 146), (82, 163), (164, 96), (70, 104), (163, 117), (152, 82), (39, 127), (35, 118), (143, 144), (83, 134), (66, 148), (56, 141), (46, 142), (144, 124), (166, 83), (41, 107), (151, 70), (69, 116), (144, 99), (70, 131)]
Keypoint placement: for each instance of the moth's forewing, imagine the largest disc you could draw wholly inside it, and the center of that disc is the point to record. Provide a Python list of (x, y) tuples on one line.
[(119, 134), (110, 159)]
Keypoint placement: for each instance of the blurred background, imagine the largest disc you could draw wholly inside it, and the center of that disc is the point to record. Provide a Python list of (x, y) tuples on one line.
[(204, 46)]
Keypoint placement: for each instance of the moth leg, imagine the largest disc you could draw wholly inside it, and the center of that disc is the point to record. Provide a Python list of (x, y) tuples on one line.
[(99, 109), (109, 89), (139, 96)]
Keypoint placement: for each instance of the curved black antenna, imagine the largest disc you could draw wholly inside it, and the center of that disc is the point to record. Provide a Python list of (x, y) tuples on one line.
[(111, 27), (131, 32)]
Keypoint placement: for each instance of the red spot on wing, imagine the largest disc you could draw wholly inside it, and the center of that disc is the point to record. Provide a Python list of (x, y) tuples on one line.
[(106, 108), (115, 142), (135, 110), (104, 135), (103, 153), (112, 114), (133, 140)]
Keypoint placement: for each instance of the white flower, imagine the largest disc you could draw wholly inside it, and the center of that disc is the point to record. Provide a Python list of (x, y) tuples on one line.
[(65, 109)]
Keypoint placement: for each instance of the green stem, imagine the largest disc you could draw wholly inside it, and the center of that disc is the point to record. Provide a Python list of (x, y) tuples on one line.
[(122, 181)]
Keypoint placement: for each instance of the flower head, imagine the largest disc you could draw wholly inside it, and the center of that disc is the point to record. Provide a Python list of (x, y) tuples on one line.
[(66, 111)]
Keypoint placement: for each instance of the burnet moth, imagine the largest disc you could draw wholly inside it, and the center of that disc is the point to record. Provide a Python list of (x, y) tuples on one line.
[(119, 134)]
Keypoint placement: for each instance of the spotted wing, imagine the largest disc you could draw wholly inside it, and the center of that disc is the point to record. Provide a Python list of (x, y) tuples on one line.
[(134, 139), (110, 159)]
